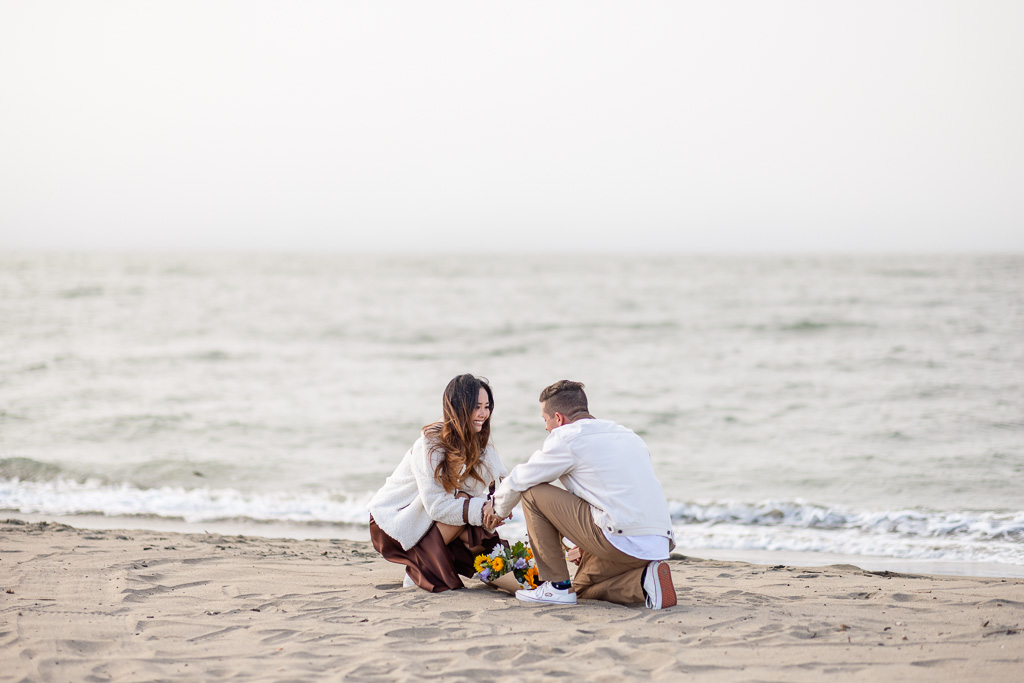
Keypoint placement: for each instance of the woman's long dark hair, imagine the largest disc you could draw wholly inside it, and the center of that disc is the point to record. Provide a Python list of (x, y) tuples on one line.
[(454, 434)]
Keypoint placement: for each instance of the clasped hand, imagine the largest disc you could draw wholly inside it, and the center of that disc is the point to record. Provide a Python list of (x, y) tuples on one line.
[(491, 520)]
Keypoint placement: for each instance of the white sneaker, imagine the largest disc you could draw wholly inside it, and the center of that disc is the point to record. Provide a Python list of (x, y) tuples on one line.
[(408, 582), (547, 593), (658, 588)]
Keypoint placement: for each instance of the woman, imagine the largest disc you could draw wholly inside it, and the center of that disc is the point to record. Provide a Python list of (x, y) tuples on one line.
[(433, 514)]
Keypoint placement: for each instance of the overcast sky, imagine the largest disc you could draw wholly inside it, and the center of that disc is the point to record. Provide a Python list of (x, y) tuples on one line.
[(527, 126)]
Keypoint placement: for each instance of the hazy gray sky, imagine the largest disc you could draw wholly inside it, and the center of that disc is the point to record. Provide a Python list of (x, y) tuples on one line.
[(533, 126)]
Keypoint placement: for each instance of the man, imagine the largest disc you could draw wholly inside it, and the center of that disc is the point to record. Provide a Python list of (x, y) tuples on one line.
[(612, 508)]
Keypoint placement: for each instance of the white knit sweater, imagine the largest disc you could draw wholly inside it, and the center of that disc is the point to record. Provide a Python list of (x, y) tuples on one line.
[(412, 498)]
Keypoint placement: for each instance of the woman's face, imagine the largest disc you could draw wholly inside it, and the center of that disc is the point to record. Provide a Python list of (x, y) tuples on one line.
[(482, 410)]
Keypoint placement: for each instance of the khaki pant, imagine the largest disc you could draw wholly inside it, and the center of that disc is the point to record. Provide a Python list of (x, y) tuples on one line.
[(605, 572)]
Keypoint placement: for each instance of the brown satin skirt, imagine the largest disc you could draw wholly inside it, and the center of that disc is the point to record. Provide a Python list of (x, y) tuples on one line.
[(434, 566)]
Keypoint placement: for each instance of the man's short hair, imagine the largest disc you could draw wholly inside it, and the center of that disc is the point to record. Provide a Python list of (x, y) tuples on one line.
[(565, 397)]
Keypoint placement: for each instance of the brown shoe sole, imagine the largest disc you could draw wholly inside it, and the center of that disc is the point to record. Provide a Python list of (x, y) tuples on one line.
[(668, 591)]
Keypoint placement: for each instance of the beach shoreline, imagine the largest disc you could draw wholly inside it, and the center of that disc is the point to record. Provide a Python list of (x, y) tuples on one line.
[(87, 604), (353, 532)]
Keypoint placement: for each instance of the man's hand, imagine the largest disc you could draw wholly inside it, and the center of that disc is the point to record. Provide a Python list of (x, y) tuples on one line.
[(574, 555), (491, 520)]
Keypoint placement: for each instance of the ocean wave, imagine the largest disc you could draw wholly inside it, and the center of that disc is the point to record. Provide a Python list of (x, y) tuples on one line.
[(803, 527), (27, 469), (769, 525), (816, 325), (849, 542), (981, 526), (67, 497), (81, 292)]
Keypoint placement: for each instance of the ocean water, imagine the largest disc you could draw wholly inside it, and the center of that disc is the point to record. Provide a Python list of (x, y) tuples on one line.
[(850, 405)]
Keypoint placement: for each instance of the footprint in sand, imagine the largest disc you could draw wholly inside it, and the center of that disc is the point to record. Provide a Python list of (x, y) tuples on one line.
[(207, 636), (276, 635), (144, 593), (423, 633), (84, 646), (859, 596), (459, 615), (498, 653)]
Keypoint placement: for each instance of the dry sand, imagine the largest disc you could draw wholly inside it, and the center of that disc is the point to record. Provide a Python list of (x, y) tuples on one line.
[(79, 605)]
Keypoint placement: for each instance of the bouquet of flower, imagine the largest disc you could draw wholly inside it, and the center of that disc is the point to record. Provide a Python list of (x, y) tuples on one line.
[(508, 568)]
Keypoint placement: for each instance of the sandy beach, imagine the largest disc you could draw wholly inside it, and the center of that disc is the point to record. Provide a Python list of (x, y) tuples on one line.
[(87, 605)]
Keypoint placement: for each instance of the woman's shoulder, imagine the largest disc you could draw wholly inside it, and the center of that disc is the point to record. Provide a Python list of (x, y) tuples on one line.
[(429, 443), (430, 435)]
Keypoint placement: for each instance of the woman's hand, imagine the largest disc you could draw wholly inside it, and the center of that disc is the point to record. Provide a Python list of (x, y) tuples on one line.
[(491, 520)]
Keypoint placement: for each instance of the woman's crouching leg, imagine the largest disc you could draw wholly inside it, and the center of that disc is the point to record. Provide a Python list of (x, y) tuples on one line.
[(450, 532)]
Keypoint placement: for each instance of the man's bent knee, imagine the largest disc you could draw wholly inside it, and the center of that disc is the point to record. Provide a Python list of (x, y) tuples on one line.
[(530, 494)]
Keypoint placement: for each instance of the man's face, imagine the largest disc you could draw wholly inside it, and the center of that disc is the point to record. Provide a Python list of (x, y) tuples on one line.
[(551, 420)]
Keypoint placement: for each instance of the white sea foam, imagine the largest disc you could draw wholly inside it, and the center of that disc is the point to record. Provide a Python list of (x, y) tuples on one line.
[(770, 525), (848, 542), (804, 527), (977, 526), (65, 497)]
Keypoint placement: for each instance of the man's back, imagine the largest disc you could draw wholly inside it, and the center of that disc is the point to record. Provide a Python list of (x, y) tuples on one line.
[(605, 464)]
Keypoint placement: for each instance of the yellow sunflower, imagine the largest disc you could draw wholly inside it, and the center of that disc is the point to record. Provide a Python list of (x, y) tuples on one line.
[(531, 576)]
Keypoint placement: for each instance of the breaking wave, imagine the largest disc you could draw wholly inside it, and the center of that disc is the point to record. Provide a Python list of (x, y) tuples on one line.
[(66, 497), (960, 536), (769, 525)]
